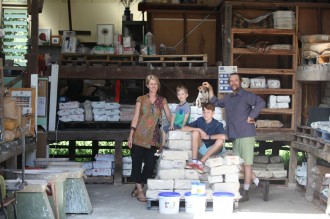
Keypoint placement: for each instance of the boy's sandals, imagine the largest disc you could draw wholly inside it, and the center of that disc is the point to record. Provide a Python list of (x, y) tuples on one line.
[(141, 197)]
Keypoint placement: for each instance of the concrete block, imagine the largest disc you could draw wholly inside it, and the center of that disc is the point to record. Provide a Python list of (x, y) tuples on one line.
[(171, 174), (275, 159), (215, 179), (231, 177), (183, 183), (232, 160), (181, 145), (191, 174), (174, 155), (224, 170), (260, 159), (179, 135), (157, 184), (214, 161), (153, 194)]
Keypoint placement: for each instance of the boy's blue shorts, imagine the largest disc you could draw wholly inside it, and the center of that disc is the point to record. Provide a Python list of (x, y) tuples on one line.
[(203, 149)]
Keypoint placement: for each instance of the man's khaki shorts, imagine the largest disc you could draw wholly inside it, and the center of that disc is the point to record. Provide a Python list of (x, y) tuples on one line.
[(244, 147)]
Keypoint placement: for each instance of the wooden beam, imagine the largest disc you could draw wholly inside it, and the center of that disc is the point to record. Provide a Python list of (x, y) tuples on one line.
[(137, 72), (84, 135)]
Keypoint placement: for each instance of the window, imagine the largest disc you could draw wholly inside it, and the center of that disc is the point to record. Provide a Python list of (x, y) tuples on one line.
[(15, 25)]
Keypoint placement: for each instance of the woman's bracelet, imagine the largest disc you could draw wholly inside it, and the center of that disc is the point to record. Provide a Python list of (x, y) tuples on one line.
[(133, 128)]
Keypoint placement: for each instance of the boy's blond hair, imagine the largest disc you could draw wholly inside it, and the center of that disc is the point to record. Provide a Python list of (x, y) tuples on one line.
[(181, 87)]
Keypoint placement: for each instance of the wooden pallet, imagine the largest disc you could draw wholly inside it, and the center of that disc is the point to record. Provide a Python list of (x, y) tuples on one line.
[(94, 125), (99, 180), (173, 60), (153, 204), (98, 60)]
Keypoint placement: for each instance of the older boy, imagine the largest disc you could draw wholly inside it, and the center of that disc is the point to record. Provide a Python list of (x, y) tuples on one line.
[(207, 137)]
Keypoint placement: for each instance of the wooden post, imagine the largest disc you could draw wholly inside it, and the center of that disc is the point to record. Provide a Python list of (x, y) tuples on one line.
[(292, 167), (311, 162), (33, 56), (118, 174), (185, 31), (72, 150), (226, 44)]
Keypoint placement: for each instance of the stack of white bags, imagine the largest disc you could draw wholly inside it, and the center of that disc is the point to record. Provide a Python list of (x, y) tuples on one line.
[(224, 173), (102, 166), (104, 111), (279, 102), (70, 111)]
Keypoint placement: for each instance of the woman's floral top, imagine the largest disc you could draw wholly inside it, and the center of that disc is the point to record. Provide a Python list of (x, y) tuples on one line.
[(148, 132)]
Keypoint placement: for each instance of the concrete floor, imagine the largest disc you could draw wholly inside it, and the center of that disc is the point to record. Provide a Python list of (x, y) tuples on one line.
[(115, 202)]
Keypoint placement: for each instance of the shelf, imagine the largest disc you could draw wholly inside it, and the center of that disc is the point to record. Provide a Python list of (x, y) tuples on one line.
[(266, 71), (269, 52), (277, 111), (271, 91), (262, 31)]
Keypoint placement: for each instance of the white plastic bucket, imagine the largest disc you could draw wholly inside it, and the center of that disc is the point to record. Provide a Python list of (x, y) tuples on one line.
[(169, 202), (223, 202), (195, 203)]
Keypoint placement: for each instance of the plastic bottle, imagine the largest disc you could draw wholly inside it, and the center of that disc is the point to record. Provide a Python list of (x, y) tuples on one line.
[(149, 39), (201, 189), (194, 188)]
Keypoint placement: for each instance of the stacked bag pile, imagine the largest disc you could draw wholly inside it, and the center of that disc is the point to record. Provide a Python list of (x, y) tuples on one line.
[(279, 102), (220, 174), (224, 174), (284, 20), (102, 166), (301, 174), (70, 112), (269, 167), (127, 166), (171, 173), (126, 112), (104, 111)]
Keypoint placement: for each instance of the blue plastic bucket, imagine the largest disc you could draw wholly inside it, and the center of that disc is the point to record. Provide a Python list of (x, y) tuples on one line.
[(169, 202), (195, 203), (223, 202)]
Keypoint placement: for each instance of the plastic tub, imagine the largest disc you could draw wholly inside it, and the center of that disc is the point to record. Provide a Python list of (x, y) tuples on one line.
[(169, 202), (195, 203), (223, 202)]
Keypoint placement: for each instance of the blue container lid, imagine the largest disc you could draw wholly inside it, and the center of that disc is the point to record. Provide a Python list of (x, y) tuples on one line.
[(194, 183), (189, 194), (223, 194), (169, 194)]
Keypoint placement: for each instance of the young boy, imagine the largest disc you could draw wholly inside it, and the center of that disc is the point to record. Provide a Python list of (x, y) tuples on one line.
[(207, 137), (181, 114)]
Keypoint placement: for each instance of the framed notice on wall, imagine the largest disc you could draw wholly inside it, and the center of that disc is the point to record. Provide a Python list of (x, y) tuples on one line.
[(105, 34), (223, 77), (25, 99)]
